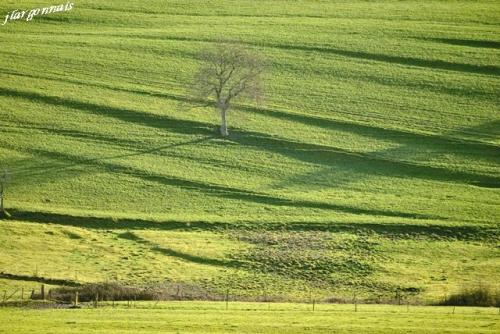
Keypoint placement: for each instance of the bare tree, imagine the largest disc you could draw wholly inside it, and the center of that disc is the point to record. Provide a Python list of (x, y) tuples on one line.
[(229, 72)]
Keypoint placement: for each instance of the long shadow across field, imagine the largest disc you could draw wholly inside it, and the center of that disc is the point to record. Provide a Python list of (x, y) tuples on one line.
[(470, 148), (473, 43), (127, 115), (74, 161), (407, 61), (313, 153), (327, 123), (475, 149), (361, 163), (39, 279), (404, 230), (76, 134), (218, 190), (181, 255), (390, 59)]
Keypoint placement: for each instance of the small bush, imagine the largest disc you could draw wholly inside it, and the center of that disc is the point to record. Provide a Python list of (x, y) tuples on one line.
[(118, 291), (478, 296)]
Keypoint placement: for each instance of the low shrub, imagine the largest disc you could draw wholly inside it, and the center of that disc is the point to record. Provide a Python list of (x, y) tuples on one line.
[(475, 296), (117, 291)]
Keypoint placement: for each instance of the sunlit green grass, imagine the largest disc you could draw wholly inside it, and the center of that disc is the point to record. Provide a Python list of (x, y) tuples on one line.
[(379, 118), (189, 317)]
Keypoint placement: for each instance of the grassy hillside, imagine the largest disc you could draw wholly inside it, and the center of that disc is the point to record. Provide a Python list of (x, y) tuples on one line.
[(373, 165)]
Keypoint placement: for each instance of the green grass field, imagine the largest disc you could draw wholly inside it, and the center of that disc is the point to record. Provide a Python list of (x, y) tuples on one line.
[(373, 164), (251, 318)]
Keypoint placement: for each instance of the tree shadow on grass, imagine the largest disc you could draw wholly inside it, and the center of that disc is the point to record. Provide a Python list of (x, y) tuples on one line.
[(406, 230), (364, 163), (403, 230), (218, 190), (474, 149), (473, 43), (175, 97), (485, 131), (311, 153), (27, 278), (186, 127), (67, 161), (390, 59), (109, 223), (469, 148), (76, 134), (181, 255), (400, 60)]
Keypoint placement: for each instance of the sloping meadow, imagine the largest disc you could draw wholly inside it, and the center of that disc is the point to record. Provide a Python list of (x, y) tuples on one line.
[(376, 149)]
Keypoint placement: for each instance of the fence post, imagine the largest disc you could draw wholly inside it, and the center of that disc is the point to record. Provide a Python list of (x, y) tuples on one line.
[(42, 291), (76, 298), (227, 299), (355, 303), (314, 303)]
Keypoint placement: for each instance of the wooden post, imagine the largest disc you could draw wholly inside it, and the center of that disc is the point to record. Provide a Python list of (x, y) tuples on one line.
[(76, 298), (453, 309), (408, 306), (227, 299), (42, 291), (314, 304), (1, 198), (355, 303)]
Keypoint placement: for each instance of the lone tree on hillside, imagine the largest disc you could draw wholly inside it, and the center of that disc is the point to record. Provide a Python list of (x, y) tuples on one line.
[(229, 72)]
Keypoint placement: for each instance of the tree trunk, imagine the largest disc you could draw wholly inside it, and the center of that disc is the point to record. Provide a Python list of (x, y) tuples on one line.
[(1, 202), (223, 125)]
